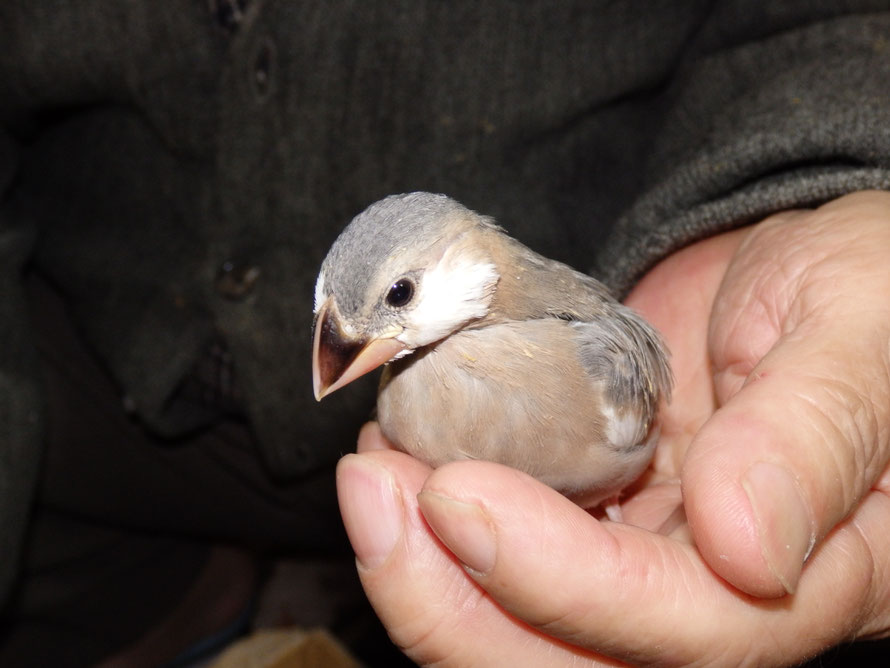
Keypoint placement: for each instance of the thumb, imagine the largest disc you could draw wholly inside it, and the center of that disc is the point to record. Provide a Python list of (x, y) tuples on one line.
[(800, 349)]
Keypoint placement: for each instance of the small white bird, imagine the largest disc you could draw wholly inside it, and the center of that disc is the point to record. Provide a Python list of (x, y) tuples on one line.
[(493, 352)]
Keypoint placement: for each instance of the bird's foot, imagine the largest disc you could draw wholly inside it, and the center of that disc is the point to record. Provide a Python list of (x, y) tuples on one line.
[(613, 509)]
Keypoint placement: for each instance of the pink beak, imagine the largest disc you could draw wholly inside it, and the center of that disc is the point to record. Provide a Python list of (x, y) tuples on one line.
[(337, 359)]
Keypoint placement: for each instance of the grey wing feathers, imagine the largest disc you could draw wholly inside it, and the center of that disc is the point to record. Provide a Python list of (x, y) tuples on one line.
[(629, 355)]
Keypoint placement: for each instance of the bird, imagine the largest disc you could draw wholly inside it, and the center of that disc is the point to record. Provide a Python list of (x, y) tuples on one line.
[(490, 351)]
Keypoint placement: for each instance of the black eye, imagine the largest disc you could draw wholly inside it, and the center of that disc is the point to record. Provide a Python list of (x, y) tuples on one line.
[(400, 293)]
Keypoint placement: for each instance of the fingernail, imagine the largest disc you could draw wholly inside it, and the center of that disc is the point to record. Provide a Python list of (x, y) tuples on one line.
[(782, 521), (371, 507), (464, 528)]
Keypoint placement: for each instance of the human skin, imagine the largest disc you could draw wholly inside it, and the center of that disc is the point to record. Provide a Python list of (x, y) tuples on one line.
[(759, 536)]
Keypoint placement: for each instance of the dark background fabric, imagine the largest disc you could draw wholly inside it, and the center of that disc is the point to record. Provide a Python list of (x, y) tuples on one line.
[(178, 170), (124, 520)]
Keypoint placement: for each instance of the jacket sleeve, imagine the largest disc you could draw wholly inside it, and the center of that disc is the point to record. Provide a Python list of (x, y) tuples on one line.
[(21, 397), (783, 117)]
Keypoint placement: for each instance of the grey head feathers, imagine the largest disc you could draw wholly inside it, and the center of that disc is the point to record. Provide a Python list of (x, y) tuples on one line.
[(385, 230)]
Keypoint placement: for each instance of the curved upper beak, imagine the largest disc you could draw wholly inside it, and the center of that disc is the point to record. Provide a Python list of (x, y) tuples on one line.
[(338, 359)]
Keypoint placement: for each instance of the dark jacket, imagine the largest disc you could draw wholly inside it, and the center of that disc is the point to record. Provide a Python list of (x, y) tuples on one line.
[(179, 169)]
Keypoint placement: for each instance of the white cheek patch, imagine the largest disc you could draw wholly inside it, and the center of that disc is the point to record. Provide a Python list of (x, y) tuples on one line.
[(454, 292), (319, 292)]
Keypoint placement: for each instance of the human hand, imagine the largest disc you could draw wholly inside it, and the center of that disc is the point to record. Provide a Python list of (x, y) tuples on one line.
[(779, 434)]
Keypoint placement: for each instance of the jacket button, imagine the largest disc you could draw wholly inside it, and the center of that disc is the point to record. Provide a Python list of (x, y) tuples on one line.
[(235, 280), (228, 13), (262, 70)]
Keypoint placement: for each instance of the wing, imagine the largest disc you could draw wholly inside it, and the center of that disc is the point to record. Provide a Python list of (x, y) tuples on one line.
[(616, 345), (629, 355)]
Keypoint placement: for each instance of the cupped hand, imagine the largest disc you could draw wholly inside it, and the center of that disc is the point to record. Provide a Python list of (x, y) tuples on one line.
[(775, 448)]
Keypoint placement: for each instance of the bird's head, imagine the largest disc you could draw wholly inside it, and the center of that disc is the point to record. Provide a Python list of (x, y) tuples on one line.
[(406, 272)]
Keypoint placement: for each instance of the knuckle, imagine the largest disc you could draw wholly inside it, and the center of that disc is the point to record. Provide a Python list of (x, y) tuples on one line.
[(846, 422)]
